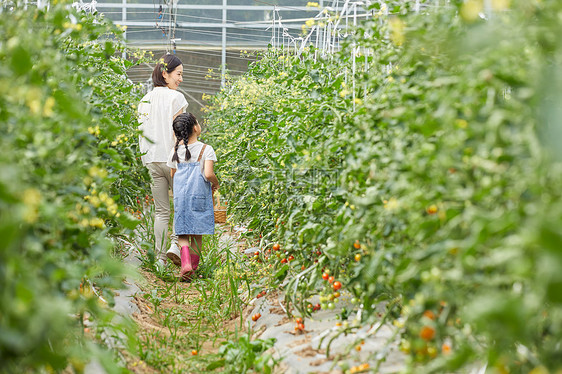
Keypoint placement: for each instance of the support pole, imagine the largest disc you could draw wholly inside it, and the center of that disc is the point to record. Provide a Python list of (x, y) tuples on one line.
[(273, 29), (354, 53), (223, 56), (124, 19)]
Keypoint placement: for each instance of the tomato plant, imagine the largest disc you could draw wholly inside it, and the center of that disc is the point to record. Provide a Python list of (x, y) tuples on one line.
[(68, 168), (439, 154)]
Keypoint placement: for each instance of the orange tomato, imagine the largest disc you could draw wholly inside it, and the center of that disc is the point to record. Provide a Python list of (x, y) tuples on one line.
[(427, 333), (356, 245), (429, 314), (194, 352), (336, 285), (432, 209), (276, 247)]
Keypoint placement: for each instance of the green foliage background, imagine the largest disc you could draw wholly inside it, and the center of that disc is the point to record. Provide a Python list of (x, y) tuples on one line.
[(67, 168), (441, 157)]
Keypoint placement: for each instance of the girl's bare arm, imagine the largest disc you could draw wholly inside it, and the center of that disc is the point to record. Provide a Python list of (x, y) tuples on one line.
[(210, 174)]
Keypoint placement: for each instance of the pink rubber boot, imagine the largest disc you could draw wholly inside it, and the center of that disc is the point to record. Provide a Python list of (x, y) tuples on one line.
[(186, 266), (194, 260)]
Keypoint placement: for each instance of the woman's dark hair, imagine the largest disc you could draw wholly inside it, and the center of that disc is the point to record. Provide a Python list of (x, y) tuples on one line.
[(183, 128), (167, 63)]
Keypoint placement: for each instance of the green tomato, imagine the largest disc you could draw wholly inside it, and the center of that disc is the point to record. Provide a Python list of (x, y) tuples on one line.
[(324, 306), (331, 306)]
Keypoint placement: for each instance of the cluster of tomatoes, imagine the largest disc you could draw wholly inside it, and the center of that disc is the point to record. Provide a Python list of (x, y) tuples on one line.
[(313, 308), (135, 213), (299, 328), (427, 347), (256, 316), (359, 369), (147, 200), (261, 294)]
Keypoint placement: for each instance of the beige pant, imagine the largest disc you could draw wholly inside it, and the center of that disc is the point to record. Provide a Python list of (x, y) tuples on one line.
[(161, 184)]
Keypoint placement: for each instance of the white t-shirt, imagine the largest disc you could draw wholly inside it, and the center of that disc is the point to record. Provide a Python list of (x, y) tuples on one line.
[(156, 114), (194, 149)]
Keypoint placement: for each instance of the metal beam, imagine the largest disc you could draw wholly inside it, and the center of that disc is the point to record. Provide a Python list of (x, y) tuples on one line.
[(207, 7), (262, 26)]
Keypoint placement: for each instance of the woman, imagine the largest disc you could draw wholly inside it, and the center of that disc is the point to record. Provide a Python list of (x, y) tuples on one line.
[(157, 110)]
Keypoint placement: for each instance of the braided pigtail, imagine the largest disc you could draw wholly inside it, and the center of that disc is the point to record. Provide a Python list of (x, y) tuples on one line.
[(183, 129), (175, 158), (185, 139)]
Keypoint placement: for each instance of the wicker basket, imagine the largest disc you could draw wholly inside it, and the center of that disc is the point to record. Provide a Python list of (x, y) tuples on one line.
[(220, 210)]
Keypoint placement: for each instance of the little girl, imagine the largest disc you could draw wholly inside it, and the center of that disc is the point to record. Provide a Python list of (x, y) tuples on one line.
[(194, 183)]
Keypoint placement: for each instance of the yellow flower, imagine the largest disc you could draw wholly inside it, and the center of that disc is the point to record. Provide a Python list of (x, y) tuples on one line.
[(95, 201), (500, 4), (391, 204), (471, 9), (94, 171), (397, 27), (94, 130), (310, 22), (31, 199), (96, 222), (48, 107), (33, 100), (312, 4), (461, 123), (358, 101)]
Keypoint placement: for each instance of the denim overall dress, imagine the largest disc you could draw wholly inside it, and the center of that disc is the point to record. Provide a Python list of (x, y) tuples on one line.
[(193, 200)]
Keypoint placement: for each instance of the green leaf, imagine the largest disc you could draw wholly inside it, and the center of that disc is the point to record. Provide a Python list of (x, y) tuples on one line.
[(20, 61), (216, 364)]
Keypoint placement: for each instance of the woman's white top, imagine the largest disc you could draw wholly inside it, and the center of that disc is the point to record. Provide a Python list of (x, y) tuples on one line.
[(156, 114), (194, 149)]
